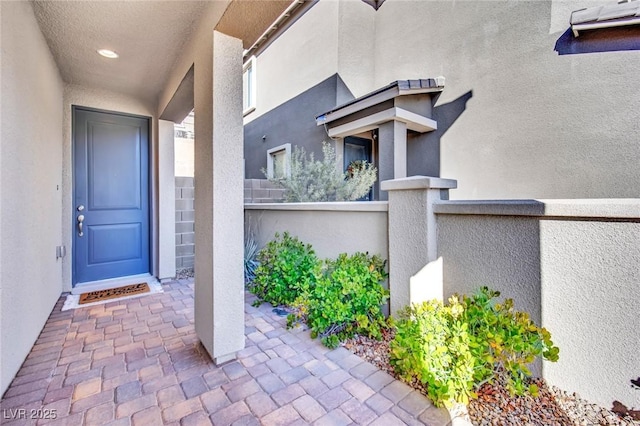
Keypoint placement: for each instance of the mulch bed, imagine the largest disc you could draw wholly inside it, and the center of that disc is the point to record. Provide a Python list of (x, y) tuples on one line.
[(495, 406)]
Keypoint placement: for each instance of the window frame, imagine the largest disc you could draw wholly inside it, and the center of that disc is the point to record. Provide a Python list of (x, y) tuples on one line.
[(251, 86), (276, 150)]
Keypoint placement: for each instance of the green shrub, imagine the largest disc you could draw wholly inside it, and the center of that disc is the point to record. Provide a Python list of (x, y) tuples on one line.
[(285, 271), (313, 180), (504, 341), (455, 349), (432, 345), (346, 298)]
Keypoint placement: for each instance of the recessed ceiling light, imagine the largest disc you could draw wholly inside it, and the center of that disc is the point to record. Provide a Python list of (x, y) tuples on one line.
[(108, 53)]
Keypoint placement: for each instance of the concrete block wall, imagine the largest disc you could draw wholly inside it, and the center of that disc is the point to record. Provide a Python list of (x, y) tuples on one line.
[(262, 191), (255, 191), (185, 237)]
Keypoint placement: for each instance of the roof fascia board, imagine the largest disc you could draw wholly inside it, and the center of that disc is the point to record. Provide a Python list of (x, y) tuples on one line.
[(374, 99), (365, 103), (576, 28), (413, 121)]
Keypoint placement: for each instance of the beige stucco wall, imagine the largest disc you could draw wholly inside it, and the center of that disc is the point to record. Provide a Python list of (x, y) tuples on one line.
[(110, 101), (31, 173), (538, 124), (527, 122), (283, 70), (573, 265), (331, 228)]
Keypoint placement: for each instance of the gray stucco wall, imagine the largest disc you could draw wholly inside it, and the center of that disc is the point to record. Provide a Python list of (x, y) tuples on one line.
[(31, 186), (292, 122), (576, 271)]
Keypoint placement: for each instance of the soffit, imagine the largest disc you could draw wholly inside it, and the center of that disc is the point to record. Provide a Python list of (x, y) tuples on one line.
[(248, 19), (148, 36)]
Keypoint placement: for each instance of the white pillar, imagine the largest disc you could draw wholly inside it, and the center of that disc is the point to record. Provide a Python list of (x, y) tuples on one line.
[(219, 222), (415, 273), (339, 146), (399, 149), (166, 201)]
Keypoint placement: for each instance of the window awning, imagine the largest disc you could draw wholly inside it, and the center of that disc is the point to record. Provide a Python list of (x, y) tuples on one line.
[(350, 118), (624, 13)]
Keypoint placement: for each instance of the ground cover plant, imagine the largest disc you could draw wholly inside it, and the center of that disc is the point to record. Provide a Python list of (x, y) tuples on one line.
[(345, 300), (455, 349), (336, 298), (286, 269)]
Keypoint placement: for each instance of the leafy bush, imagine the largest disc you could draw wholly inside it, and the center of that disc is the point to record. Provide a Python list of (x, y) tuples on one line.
[(312, 180), (432, 345), (455, 349), (286, 270), (504, 341), (346, 298)]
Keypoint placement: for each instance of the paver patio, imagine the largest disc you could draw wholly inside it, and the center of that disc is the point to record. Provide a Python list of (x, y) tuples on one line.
[(139, 362)]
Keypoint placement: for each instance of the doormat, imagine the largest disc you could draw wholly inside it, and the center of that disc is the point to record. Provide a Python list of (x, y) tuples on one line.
[(114, 293), (92, 298)]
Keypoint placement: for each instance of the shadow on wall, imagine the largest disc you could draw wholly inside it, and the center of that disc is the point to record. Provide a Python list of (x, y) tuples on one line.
[(603, 40), (426, 161)]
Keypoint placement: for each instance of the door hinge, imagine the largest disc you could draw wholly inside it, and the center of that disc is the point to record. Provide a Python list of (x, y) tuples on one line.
[(61, 251)]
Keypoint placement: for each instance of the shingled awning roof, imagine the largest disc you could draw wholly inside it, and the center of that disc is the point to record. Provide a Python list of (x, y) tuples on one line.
[(608, 16), (390, 91)]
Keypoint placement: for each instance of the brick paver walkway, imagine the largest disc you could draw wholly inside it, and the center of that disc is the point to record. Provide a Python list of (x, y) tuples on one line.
[(139, 362)]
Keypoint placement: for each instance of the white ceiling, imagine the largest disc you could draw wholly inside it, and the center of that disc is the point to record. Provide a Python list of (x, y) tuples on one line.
[(148, 36)]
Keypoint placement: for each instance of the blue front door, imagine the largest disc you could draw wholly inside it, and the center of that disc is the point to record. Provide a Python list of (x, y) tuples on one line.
[(111, 195)]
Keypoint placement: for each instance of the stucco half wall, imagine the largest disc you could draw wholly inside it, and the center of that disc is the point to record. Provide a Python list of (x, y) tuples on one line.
[(574, 265), (331, 228)]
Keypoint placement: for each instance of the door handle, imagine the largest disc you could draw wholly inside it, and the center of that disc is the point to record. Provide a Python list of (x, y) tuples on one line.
[(80, 220)]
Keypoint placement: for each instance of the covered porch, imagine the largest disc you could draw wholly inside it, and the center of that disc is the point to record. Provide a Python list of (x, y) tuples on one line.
[(174, 57)]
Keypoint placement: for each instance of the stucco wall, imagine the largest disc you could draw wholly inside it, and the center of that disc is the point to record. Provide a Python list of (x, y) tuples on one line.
[(520, 104), (573, 265), (283, 71), (331, 228), (292, 122), (529, 122), (31, 173), (110, 101)]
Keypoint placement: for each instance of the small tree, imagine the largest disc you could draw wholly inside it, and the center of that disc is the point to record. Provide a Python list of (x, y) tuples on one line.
[(313, 180)]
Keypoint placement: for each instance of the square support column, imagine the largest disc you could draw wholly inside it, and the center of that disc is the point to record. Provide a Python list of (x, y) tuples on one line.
[(166, 201), (399, 149), (219, 210), (415, 273), (392, 147)]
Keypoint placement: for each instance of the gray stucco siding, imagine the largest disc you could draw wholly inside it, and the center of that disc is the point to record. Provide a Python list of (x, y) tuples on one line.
[(291, 122)]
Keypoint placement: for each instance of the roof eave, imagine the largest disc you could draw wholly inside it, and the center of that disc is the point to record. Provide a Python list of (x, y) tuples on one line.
[(392, 90), (576, 28)]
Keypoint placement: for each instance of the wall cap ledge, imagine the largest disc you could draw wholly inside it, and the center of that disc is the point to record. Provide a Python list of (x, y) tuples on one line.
[(418, 182), (605, 208), (338, 206)]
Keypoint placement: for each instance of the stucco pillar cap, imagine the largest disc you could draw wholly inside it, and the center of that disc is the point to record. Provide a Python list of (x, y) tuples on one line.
[(418, 182)]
